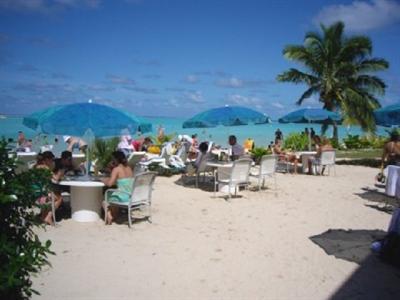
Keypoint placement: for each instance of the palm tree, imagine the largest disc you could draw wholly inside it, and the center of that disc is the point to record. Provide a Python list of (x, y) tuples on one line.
[(338, 69)]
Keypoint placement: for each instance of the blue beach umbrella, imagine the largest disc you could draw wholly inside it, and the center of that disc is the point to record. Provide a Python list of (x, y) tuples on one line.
[(76, 119), (227, 116), (388, 116), (310, 115), (85, 118)]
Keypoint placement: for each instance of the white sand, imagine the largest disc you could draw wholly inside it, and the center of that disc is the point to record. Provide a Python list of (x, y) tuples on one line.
[(199, 247)]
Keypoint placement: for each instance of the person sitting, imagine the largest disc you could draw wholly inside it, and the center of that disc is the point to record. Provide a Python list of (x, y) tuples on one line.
[(122, 176), (45, 160), (391, 150), (248, 145), (285, 156), (237, 150), (125, 144), (75, 143), (321, 145)]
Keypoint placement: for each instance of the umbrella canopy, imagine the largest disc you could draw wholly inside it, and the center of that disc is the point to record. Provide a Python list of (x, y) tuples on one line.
[(310, 115), (388, 116), (227, 116), (76, 119)]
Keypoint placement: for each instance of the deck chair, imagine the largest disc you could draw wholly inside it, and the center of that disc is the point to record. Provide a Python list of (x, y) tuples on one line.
[(135, 157), (160, 159), (140, 196), (267, 169), (239, 176), (327, 159)]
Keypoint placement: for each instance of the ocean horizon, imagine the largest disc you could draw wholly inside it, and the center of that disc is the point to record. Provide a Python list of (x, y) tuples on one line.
[(262, 134)]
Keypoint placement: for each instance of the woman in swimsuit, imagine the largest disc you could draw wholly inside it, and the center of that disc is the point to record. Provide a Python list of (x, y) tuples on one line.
[(391, 150), (122, 176)]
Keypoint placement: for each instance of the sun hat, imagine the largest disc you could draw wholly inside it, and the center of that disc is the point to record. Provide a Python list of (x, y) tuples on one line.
[(66, 138)]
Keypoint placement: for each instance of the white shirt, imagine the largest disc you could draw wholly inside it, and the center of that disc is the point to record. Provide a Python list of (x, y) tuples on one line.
[(237, 150)]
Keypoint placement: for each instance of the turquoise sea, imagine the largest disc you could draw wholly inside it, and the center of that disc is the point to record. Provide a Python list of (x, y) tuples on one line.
[(262, 134)]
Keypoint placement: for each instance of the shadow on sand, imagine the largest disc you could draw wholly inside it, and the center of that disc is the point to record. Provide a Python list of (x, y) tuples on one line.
[(373, 279), (381, 201)]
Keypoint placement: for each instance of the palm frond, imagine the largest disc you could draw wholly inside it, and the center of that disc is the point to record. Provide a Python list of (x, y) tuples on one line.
[(372, 84), (372, 65), (296, 76), (307, 94)]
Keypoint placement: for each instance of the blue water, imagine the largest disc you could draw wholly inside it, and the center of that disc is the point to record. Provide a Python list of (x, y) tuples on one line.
[(262, 134)]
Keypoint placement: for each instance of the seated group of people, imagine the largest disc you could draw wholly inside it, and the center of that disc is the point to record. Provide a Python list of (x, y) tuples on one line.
[(121, 175), (320, 144)]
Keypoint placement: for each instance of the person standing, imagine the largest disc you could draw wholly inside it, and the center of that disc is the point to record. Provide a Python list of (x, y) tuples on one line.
[(278, 136)]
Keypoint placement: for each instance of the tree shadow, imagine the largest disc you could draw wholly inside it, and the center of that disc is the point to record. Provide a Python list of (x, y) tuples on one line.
[(373, 279), (382, 202)]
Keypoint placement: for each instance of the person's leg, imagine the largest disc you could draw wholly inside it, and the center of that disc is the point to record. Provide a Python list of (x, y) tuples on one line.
[(112, 214), (48, 217)]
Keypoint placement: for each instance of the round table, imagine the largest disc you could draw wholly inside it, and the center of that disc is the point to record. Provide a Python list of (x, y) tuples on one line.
[(86, 199)]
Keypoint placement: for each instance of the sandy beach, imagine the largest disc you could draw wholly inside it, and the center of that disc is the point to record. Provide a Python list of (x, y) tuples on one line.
[(253, 247)]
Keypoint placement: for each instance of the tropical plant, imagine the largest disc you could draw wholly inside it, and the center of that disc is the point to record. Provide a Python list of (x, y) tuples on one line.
[(102, 151), (338, 69), (22, 254), (296, 141), (259, 152), (159, 140), (364, 142)]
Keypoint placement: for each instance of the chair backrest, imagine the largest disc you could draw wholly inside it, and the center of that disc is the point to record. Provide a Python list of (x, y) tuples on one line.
[(268, 164), (328, 157), (210, 146), (183, 151), (142, 187), (203, 162), (241, 170), (135, 157)]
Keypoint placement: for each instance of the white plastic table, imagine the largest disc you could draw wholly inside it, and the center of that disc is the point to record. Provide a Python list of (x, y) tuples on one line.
[(305, 156), (86, 199), (393, 176)]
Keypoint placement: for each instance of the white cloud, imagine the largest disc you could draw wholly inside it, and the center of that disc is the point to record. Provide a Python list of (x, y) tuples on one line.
[(277, 105), (232, 82), (120, 79), (45, 6), (361, 15), (237, 99), (195, 97), (192, 79)]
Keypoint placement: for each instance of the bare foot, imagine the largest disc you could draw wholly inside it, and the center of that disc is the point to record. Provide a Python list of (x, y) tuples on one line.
[(109, 218), (49, 219)]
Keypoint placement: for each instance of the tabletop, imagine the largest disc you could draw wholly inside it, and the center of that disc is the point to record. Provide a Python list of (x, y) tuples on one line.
[(79, 183)]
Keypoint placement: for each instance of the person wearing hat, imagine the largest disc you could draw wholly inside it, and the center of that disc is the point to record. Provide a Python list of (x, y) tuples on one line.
[(75, 143)]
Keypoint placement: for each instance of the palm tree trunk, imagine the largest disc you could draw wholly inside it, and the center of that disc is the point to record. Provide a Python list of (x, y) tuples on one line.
[(335, 132)]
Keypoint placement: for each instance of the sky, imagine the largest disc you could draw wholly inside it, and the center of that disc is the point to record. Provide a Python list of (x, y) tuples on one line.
[(174, 58)]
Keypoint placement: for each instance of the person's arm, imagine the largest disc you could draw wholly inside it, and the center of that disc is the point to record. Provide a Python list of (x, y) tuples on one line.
[(58, 175), (112, 179), (384, 156)]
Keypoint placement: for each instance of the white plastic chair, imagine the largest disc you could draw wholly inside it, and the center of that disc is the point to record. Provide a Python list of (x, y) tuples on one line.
[(267, 168), (327, 159), (239, 176), (135, 157), (203, 168), (140, 196)]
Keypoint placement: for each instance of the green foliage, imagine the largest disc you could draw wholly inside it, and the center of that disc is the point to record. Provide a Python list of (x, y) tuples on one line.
[(21, 252), (102, 151), (338, 69), (163, 171), (364, 142), (366, 162), (296, 142), (259, 152), (157, 140)]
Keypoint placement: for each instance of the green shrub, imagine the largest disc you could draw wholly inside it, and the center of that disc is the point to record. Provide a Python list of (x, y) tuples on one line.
[(102, 151), (21, 252), (364, 142), (259, 152), (296, 142)]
